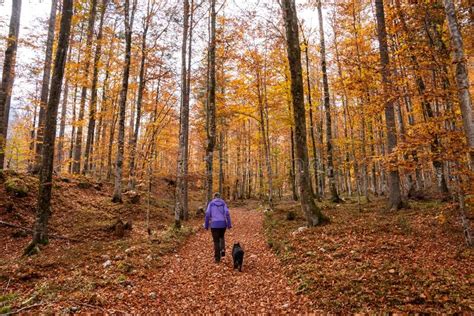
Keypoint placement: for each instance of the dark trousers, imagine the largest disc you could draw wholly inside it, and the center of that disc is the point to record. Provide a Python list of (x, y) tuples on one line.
[(219, 243)]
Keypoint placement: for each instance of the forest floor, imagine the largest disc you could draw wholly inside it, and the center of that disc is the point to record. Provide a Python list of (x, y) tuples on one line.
[(85, 255), (371, 260), (363, 261)]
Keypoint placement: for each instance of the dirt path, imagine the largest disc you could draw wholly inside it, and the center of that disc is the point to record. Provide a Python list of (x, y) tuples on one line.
[(192, 282)]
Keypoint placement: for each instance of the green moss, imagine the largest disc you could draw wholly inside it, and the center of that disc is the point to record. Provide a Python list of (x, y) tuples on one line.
[(7, 298), (5, 301), (16, 186), (121, 279), (5, 309)]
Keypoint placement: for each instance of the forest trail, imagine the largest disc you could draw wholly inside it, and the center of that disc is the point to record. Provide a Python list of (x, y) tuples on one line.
[(190, 281)]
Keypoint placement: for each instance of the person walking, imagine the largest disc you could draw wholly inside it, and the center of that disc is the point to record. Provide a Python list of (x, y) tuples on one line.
[(218, 219)]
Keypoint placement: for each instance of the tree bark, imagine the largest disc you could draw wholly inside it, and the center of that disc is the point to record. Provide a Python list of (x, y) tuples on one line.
[(327, 107), (43, 212), (221, 163), (76, 165), (45, 83), (311, 119), (181, 197), (263, 117), (8, 76), (93, 103), (62, 126), (462, 77), (211, 104), (128, 17), (141, 89), (313, 213), (395, 198)]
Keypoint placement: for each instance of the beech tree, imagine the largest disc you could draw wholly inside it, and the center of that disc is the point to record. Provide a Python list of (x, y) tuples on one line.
[(48, 56), (311, 210), (181, 197), (129, 16), (211, 104), (93, 102), (8, 76), (76, 165), (327, 107), (462, 77), (395, 197), (141, 88), (43, 211)]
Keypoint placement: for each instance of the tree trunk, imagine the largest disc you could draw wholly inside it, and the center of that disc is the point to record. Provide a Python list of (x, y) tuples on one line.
[(43, 212), (45, 83), (221, 163), (181, 197), (111, 139), (73, 129), (104, 107), (8, 76), (62, 126), (128, 17), (294, 192), (311, 120), (327, 106), (462, 77), (263, 113), (313, 213), (395, 199), (211, 104), (93, 104), (76, 166), (141, 89)]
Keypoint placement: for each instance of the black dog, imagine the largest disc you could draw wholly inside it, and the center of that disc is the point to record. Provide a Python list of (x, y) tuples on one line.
[(238, 256)]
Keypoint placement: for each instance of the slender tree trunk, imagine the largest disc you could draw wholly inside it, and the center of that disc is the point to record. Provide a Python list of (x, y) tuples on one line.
[(327, 106), (111, 139), (311, 120), (128, 17), (31, 160), (102, 130), (43, 212), (73, 129), (211, 108), (45, 84), (8, 76), (462, 77), (395, 199), (62, 126), (293, 167), (76, 166), (221, 163), (182, 181), (262, 105), (141, 89), (313, 213), (93, 104)]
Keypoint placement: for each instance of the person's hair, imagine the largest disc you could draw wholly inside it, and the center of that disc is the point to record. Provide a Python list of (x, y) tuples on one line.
[(217, 195)]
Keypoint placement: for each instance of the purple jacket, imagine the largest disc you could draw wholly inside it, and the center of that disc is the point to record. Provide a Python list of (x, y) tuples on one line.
[(218, 214)]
